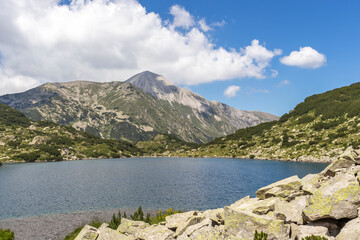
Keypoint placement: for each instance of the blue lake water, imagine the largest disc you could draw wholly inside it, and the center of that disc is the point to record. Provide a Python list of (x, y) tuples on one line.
[(31, 189)]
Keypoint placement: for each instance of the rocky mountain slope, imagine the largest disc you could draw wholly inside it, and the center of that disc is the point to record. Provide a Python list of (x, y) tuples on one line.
[(318, 129), (24, 140), (324, 204), (138, 109)]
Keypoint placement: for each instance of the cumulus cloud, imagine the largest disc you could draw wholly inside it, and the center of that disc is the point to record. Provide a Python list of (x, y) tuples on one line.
[(231, 91), (306, 57), (111, 40), (10, 83), (283, 83), (182, 18), (204, 26)]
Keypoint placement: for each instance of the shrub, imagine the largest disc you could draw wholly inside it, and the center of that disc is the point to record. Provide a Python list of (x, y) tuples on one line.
[(138, 215), (6, 234), (252, 156), (115, 221), (260, 236)]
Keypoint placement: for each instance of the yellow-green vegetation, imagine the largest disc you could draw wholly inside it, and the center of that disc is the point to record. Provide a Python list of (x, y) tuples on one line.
[(6, 234), (164, 144), (161, 215), (25, 140), (313, 237), (260, 236), (320, 128), (73, 235)]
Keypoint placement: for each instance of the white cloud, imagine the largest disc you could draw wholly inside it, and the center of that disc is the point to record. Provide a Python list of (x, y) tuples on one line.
[(283, 83), (306, 57), (231, 91), (182, 18), (10, 83), (274, 73), (218, 24), (111, 40), (204, 26)]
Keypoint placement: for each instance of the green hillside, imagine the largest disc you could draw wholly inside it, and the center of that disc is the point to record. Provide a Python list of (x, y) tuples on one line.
[(319, 129), (24, 140)]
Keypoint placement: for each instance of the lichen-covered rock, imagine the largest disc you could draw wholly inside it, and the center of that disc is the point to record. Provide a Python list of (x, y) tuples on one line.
[(337, 198), (132, 228), (242, 224), (302, 231), (345, 160), (156, 232), (311, 182), (87, 233), (292, 210), (106, 233), (173, 221), (183, 226), (193, 228), (281, 188), (211, 233), (350, 231), (216, 215)]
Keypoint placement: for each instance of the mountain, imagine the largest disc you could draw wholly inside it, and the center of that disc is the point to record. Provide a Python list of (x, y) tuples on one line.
[(137, 109), (318, 129), (24, 140)]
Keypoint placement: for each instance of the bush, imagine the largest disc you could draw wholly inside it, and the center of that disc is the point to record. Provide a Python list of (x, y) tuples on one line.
[(28, 157), (252, 156), (6, 234), (138, 215), (115, 221), (260, 236)]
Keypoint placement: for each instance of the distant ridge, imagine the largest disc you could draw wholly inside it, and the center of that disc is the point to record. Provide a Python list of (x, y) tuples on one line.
[(136, 110)]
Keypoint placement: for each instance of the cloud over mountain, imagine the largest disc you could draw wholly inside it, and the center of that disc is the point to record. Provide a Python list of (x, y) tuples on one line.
[(103, 40)]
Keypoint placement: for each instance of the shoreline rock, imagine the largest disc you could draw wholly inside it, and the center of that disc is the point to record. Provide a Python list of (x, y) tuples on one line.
[(325, 204)]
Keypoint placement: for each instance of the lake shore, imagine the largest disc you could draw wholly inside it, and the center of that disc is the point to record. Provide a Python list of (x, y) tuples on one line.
[(55, 226)]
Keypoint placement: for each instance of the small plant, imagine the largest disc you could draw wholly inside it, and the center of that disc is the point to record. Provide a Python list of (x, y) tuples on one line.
[(313, 237), (6, 234), (260, 236), (115, 221), (138, 215)]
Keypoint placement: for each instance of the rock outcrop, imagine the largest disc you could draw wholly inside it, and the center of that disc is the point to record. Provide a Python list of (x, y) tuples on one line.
[(325, 204)]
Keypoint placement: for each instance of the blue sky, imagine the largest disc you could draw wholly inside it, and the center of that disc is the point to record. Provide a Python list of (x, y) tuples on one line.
[(107, 40), (330, 27)]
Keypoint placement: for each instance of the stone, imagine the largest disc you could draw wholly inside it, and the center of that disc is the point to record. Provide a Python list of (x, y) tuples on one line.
[(156, 232), (243, 223), (193, 228), (282, 187), (345, 160), (211, 233), (192, 221), (302, 231), (173, 221), (183, 236), (292, 210), (106, 233), (310, 183), (337, 198), (129, 227), (351, 230), (331, 224), (216, 215), (87, 233)]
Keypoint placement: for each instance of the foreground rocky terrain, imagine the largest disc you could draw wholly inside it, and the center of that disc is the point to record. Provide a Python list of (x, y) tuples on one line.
[(324, 204)]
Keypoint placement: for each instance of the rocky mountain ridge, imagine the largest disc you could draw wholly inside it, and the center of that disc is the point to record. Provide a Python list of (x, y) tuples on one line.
[(138, 109), (325, 204)]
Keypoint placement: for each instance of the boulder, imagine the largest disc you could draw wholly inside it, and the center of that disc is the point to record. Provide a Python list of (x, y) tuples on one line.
[(345, 160), (311, 182), (132, 228), (302, 231), (281, 188), (106, 233), (332, 225), (337, 198), (193, 228), (292, 210), (87, 233), (350, 231), (173, 221), (216, 215), (243, 223), (156, 232), (211, 233), (183, 226)]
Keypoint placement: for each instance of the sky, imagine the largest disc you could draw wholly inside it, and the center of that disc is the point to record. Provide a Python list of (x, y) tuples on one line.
[(250, 54)]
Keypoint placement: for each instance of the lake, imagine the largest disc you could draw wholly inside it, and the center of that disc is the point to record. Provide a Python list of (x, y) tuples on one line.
[(32, 189)]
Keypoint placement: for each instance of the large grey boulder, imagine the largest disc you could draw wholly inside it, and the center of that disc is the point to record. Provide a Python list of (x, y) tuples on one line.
[(302, 231), (283, 188), (345, 160), (337, 198), (242, 224), (131, 228), (87, 233), (292, 210), (175, 220), (156, 232), (350, 231), (106, 233), (190, 222)]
